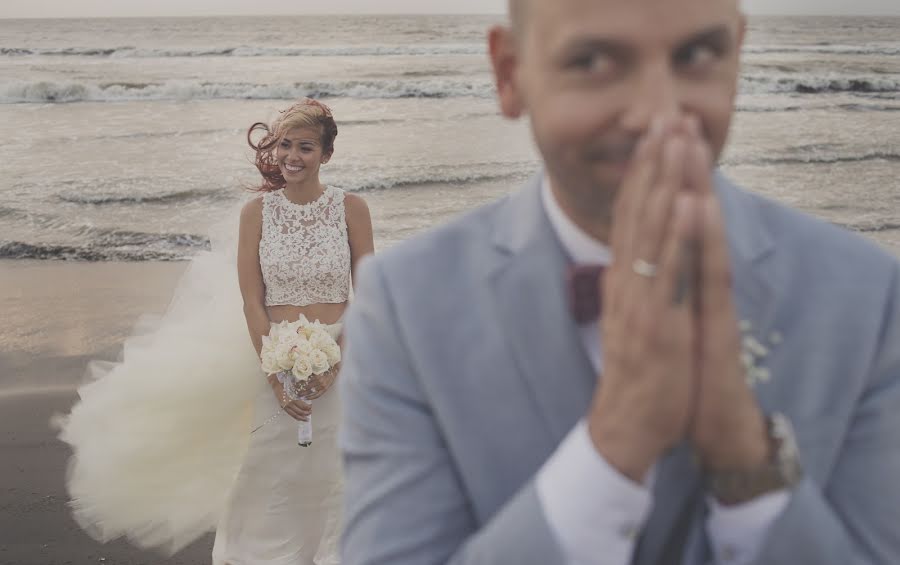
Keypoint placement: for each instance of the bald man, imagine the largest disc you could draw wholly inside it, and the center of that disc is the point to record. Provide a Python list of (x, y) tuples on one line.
[(630, 360)]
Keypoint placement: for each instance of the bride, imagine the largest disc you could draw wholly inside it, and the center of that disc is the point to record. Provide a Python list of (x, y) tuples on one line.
[(187, 433)]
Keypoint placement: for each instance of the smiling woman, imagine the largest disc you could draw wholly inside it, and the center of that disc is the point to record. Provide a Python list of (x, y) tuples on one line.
[(298, 244), (231, 459), (289, 158), (310, 125)]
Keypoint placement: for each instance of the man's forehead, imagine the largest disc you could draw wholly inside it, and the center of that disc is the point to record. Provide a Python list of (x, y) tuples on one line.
[(654, 17)]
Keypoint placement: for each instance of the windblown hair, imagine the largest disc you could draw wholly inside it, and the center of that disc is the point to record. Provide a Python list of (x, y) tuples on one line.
[(307, 113)]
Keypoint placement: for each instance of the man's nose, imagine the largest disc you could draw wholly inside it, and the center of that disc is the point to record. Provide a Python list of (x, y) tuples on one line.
[(654, 96)]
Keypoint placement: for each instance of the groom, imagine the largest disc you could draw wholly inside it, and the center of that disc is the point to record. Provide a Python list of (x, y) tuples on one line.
[(630, 360)]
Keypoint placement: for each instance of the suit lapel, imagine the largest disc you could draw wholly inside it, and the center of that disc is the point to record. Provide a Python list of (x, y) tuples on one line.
[(529, 292), (754, 271)]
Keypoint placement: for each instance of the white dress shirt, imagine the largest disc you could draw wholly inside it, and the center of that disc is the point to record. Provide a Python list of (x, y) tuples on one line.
[(594, 511)]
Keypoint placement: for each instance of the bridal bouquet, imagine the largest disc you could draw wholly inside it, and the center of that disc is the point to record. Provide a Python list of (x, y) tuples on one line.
[(294, 352)]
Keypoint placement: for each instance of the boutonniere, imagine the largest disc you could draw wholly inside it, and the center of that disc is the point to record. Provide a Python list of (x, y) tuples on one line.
[(754, 353)]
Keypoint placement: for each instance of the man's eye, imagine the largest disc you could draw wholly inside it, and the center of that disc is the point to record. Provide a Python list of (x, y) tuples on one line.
[(592, 63), (697, 56)]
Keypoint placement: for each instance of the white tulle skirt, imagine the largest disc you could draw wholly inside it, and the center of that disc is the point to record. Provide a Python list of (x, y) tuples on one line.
[(162, 449)]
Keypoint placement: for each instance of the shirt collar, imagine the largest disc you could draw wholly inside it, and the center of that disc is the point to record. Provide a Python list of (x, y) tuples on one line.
[(581, 247)]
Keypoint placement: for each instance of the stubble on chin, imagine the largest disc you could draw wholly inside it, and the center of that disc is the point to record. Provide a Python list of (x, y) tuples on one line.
[(600, 207), (590, 204), (597, 198)]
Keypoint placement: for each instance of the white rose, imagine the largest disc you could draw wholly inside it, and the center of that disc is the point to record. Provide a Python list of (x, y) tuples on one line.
[(276, 337), (284, 357), (334, 354), (303, 347), (267, 351), (320, 339), (319, 362), (270, 363), (302, 369)]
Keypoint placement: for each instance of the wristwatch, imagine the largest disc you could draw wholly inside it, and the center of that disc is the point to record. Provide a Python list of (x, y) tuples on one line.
[(782, 471)]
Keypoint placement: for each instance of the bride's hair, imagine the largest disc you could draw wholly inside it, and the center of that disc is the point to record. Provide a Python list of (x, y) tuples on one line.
[(307, 113)]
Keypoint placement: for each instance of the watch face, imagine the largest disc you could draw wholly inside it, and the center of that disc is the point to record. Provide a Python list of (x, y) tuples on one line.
[(784, 471)]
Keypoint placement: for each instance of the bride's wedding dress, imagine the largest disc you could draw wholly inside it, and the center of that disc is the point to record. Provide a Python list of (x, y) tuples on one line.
[(162, 444)]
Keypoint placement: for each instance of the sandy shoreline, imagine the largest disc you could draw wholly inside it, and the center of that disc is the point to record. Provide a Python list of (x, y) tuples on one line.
[(57, 316), (56, 312)]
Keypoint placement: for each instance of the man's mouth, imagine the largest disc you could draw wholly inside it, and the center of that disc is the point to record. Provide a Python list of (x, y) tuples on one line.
[(614, 154)]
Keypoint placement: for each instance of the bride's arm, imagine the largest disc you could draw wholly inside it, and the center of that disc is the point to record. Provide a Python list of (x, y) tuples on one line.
[(253, 290)]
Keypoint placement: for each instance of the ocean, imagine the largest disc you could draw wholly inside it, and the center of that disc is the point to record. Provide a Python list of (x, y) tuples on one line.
[(124, 139)]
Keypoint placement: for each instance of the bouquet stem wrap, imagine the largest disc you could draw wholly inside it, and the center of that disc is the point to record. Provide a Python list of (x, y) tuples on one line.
[(304, 429)]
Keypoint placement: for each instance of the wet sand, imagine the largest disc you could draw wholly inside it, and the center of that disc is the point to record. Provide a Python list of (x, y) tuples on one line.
[(56, 316)]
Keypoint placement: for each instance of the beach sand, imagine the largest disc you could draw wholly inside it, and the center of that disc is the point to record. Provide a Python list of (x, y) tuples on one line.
[(56, 316)]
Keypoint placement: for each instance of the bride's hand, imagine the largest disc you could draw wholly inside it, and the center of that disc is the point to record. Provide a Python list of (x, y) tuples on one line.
[(319, 384), (296, 409)]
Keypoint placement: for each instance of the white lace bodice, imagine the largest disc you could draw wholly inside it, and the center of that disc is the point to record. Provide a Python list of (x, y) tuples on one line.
[(304, 252)]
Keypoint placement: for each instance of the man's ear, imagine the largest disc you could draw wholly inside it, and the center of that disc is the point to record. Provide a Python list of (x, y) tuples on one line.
[(504, 51)]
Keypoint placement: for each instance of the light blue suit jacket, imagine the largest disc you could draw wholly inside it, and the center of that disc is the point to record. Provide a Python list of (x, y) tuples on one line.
[(463, 372)]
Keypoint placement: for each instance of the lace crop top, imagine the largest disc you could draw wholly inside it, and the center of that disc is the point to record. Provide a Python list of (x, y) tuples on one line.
[(304, 252)]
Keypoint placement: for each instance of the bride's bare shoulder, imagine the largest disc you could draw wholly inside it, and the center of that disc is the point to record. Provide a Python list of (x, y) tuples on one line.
[(251, 222), (252, 210), (355, 206)]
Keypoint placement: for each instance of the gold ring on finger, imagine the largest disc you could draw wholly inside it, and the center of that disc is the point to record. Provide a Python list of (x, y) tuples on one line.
[(644, 268)]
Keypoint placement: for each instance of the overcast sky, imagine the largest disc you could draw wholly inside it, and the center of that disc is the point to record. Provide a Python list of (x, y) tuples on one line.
[(91, 8)]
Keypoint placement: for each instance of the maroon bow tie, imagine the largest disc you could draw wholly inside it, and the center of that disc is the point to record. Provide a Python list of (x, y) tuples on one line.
[(584, 292)]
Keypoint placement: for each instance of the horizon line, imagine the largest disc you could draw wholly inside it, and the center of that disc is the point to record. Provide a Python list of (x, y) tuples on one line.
[(394, 14)]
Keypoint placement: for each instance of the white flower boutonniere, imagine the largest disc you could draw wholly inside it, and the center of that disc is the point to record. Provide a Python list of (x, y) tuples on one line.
[(754, 353)]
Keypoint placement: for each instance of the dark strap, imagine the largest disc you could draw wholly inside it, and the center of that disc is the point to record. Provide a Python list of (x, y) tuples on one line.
[(674, 546), (673, 550)]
